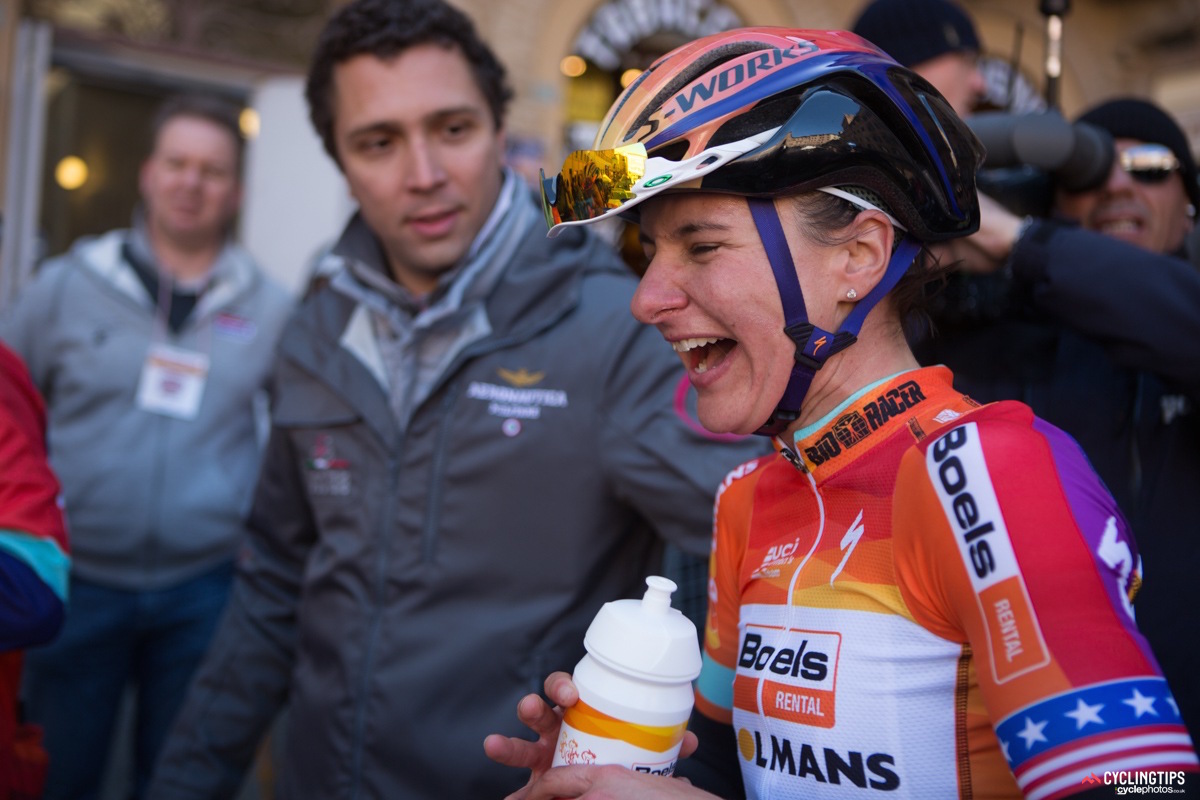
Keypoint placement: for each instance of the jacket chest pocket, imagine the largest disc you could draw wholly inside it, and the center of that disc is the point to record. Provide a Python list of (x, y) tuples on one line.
[(327, 438)]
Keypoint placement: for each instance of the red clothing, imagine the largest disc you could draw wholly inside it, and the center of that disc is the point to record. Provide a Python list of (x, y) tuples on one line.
[(937, 604), (29, 490), (28, 508)]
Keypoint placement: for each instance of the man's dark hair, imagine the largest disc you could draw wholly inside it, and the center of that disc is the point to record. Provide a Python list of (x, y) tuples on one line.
[(218, 110), (385, 29)]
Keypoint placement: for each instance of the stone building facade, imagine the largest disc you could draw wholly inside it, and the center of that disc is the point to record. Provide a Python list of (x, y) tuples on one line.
[(1151, 47)]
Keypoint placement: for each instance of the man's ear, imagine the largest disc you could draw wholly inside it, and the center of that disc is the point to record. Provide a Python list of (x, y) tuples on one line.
[(868, 249)]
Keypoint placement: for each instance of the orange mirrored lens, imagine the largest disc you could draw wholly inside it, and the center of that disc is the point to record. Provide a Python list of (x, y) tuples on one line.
[(592, 182)]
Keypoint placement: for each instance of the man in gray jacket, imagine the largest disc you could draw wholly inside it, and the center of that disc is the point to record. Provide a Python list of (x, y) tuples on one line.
[(473, 447), (151, 347)]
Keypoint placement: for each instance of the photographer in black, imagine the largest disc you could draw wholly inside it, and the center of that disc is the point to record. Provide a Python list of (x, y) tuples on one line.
[(1100, 334), (1089, 312), (935, 39)]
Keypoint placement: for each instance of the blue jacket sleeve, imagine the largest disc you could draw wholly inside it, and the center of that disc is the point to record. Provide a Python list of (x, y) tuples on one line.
[(1143, 307), (31, 612)]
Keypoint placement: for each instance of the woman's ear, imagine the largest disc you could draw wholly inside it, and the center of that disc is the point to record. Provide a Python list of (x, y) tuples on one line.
[(868, 249)]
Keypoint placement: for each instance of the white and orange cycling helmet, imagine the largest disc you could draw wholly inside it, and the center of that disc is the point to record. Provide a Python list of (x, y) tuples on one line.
[(764, 112)]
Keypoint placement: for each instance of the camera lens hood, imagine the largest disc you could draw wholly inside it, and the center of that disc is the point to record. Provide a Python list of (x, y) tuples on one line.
[(1077, 155)]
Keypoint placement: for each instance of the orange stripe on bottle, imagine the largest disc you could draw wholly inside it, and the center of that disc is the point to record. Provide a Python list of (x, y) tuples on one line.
[(656, 738)]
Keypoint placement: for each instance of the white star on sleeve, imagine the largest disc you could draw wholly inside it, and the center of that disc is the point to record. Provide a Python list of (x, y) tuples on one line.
[(1083, 714), (1032, 732), (1141, 704)]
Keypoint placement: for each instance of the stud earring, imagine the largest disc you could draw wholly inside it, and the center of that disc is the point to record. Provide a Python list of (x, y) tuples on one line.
[(850, 295)]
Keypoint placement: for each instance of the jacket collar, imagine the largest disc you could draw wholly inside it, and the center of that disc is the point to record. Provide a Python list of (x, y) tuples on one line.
[(232, 274), (540, 283)]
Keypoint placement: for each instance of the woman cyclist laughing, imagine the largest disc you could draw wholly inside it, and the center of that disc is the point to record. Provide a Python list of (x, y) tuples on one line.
[(921, 595)]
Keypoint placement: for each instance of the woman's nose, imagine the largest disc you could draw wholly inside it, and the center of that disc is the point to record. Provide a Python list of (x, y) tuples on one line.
[(658, 294)]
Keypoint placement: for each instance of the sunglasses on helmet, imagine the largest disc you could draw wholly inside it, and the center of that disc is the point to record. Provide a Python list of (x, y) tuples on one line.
[(598, 183), (1148, 163)]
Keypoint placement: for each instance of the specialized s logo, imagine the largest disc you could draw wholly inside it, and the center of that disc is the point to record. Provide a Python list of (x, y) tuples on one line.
[(959, 474), (788, 674), (849, 541), (854, 426), (715, 87), (738, 72)]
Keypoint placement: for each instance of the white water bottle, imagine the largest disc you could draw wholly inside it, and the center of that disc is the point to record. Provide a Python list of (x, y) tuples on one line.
[(635, 685)]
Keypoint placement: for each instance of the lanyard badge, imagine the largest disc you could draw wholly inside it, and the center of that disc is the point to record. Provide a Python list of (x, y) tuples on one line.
[(173, 381)]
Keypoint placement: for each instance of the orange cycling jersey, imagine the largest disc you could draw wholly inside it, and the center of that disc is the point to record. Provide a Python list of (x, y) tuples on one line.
[(934, 602)]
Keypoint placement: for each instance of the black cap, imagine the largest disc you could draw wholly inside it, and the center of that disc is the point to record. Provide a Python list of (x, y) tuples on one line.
[(1135, 118), (914, 31)]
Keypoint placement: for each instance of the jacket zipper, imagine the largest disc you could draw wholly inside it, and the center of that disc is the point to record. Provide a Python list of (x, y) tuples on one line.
[(387, 521), (430, 529)]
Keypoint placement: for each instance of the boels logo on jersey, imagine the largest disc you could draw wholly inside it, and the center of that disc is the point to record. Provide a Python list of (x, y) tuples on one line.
[(796, 670)]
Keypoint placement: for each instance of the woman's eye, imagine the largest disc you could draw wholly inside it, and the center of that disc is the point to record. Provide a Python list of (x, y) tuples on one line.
[(703, 249)]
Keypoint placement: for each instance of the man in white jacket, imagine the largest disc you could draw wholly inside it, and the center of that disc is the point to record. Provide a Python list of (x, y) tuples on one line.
[(150, 346)]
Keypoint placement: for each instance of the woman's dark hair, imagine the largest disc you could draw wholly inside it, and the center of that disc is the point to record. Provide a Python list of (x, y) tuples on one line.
[(823, 216), (385, 29)]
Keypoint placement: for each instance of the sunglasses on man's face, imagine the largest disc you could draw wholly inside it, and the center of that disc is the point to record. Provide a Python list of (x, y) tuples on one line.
[(1148, 163)]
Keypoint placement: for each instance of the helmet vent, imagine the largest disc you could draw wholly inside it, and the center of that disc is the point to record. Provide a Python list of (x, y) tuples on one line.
[(874, 198), (675, 151), (766, 115), (713, 58)]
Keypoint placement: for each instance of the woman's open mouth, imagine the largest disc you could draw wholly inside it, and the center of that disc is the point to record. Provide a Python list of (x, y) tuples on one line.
[(702, 354)]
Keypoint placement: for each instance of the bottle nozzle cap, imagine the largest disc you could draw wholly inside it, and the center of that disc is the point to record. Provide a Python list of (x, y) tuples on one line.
[(657, 598), (646, 637)]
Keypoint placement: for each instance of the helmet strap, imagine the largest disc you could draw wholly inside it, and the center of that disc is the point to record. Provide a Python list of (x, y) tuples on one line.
[(813, 344)]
